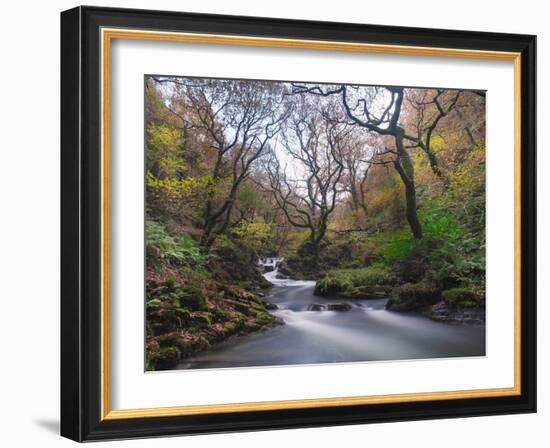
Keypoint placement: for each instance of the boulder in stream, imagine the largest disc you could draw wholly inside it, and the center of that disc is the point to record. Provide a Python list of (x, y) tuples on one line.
[(316, 307), (270, 306), (340, 306)]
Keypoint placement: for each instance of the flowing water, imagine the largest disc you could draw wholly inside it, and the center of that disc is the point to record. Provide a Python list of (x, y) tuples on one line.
[(367, 332)]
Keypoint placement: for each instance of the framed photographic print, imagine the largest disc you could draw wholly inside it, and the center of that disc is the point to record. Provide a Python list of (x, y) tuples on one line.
[(274, 224)]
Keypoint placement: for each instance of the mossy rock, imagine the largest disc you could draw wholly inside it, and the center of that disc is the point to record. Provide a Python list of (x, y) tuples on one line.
[(192, 297), (189, 319), (263, 318), (203, 319), (218, 315), (185, 347), (163, 320), (230, 328), (461, 297), (243, 308), (183, 313), (413, 297), (153, 304), (327, 286), (366, 291), (169, 284), (355, 283), (167, 358)]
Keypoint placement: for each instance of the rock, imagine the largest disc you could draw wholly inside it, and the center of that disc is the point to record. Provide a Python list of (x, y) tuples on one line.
[(461, 298), (167, 358), (260, 294), (413, 297), (327, 286), (192, 297), (270, 306), (281, 277), (439, 312), (341, 306), (316, 307), (278, 321), (269, 268), (443, 312)]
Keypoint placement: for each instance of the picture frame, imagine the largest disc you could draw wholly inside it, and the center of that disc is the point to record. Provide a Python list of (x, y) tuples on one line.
[(87, 34)]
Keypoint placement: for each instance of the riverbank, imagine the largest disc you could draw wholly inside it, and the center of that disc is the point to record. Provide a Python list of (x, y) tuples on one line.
[(178, 331), (200, 320), (192, 306), (366, 331)]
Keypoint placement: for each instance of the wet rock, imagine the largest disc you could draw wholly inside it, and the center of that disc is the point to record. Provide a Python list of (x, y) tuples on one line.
[(278, 321), (316, 307), (341, 306), (440, 312), (443, 312), (270, 306), (281, 277), (269, 268), (413, 297)]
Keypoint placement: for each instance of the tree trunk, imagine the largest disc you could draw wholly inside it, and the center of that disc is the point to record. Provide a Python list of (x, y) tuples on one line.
[(405, 169)]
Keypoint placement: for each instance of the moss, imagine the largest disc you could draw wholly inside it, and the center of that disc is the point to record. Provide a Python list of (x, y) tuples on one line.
[(366, 291), (299, 265), (468, 304), (169, 283), (152, 304), (229, 327), (174, 340), (233, 262), (328, 285), (461, 298), (192, 297), (218, 315), (166, 358), (190, 319), (263, 318), (150, 363), (183, 313), (163, 319), (203, 319), (413, 297), (354, 282)]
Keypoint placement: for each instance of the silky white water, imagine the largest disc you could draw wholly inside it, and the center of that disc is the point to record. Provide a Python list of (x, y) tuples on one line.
[(367, 332)]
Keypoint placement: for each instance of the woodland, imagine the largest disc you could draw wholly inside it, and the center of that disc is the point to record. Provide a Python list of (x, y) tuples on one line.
[(369, 191)]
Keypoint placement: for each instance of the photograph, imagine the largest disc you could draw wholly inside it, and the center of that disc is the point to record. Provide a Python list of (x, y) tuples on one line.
[(291, 222)]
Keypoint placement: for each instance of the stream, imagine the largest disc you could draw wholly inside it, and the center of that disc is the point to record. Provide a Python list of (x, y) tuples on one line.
[(367, 332)]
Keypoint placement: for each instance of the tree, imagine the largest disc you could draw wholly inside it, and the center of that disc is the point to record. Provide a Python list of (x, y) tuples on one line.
[(308, 196), (358, 155), (378, 109), (431, 107), (237, 119)]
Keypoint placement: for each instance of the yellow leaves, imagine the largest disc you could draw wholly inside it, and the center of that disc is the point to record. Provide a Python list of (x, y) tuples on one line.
[(469, 178), (189, 189), (164, 145), (437, 143), (163, 136), (253, 233)]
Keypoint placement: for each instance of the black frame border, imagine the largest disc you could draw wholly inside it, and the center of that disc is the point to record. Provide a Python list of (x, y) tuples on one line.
[(81, 223)]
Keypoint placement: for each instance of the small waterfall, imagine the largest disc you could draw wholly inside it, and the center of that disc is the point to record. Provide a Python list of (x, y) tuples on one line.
[(269, 264)]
